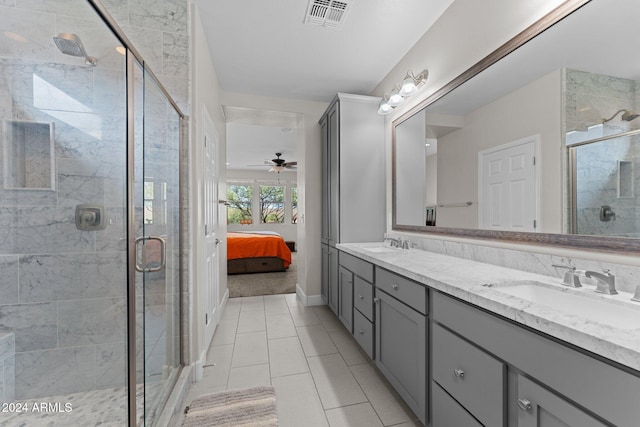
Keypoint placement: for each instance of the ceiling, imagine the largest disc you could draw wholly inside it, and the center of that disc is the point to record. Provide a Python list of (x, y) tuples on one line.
[(253, 144), (264, 47)]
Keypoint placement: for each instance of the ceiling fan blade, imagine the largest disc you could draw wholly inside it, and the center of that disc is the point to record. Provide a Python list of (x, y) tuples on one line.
[(290, 164)]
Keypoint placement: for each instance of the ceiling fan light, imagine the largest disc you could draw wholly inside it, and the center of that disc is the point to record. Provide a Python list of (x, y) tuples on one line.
[(395, 98), (276, 168)]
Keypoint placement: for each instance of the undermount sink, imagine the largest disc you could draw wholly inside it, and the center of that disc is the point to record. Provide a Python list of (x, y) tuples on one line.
[(580, 302), (379, 249)]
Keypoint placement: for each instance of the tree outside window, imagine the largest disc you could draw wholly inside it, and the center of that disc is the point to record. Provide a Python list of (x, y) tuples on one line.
[(240, 198), (294, 204), (271, 204)]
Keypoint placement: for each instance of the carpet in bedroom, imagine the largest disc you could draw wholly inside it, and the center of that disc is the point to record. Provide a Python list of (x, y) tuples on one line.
[(249, 285)]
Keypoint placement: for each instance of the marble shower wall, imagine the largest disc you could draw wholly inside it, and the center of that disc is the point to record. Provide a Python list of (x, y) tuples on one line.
[(590, 98), (159, 30), (62, 290), (600, 182)]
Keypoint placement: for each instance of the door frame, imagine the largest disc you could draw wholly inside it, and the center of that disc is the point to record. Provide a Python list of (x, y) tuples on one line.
[(209, 132)]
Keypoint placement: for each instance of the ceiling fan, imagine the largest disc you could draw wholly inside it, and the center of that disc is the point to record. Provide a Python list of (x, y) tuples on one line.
[(278, 164)]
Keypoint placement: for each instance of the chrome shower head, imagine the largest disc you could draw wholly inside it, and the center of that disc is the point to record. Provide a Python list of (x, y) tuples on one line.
[(70, 44), (627, 116)]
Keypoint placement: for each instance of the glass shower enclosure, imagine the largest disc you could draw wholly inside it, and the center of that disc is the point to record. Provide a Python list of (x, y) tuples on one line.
[(89, 222)]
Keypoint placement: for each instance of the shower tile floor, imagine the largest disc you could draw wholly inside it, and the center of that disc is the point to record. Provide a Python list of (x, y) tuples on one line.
[(107, 407)]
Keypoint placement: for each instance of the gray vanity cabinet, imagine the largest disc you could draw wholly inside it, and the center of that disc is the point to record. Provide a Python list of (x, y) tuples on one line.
[(401, 340), (353, 176), (556, 384), (329, 282), (356, 299), (345, 298), (538, 407)]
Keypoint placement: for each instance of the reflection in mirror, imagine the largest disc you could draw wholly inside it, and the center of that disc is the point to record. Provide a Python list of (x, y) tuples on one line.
[(545, 140)]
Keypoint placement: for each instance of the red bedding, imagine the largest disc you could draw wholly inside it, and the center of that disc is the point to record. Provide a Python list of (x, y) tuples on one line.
[(246, 245)]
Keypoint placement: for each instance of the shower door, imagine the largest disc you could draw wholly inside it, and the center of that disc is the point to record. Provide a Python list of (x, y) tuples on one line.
[(157, 256)]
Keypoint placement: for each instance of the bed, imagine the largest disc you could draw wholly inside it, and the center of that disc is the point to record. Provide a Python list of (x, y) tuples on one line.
[(257, 252)]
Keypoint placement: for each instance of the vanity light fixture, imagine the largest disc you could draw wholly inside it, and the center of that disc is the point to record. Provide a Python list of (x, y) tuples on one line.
[(399, 93)]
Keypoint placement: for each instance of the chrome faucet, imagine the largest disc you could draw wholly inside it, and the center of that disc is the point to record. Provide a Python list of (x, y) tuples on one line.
[(393, 242), (605, 281), (571, 277)]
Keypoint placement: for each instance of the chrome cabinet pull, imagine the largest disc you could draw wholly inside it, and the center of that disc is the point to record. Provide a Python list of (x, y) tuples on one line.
[(361, 332), (361, 297), (458, 373), (395, 287), (141, 262), (524, 405)]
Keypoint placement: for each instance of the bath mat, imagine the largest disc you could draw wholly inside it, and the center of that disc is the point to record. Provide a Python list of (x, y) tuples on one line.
[(255, 406)]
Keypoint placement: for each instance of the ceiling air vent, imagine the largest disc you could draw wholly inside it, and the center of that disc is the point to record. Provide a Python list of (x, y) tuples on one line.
[(327, 13)]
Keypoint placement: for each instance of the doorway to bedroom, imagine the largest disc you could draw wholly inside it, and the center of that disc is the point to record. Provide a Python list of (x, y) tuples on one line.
[(262, 196)]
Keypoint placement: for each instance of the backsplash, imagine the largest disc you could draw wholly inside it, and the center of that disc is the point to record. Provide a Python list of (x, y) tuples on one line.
[(627, 277)]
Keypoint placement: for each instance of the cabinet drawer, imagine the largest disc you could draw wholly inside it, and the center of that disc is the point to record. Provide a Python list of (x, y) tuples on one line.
[(471, 376), (363, 297), (447, 412), (409, 292), (363, 332), (358, 266)]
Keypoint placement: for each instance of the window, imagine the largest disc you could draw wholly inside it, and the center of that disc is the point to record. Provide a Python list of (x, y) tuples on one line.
[(155, 202), (271, 204), (294, 204), (240, 197)]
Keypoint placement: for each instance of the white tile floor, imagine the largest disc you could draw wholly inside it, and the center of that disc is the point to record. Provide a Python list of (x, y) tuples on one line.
[(321, 376)]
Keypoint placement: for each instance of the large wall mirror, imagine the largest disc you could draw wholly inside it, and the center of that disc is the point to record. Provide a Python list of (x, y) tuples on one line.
[(537, 143)]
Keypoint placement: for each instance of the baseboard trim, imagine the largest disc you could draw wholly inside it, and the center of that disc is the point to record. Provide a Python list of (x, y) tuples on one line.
[(308, 300)]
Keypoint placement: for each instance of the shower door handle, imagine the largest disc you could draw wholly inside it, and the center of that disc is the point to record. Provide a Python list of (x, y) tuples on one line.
[(141, 261)]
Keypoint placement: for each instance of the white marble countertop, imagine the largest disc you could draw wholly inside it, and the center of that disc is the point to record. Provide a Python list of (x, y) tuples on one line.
[(478, 283)]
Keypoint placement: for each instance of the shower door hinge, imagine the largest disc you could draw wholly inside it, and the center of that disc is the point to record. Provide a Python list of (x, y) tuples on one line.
[(534, 224), (534, 160)]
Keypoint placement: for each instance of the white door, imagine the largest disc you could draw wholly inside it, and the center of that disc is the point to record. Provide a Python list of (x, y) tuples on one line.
[(508, 189), (211, 240)]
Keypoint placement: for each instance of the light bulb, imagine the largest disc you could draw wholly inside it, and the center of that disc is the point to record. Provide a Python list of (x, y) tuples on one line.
[(384, 107), (408, 86), (395, 98)]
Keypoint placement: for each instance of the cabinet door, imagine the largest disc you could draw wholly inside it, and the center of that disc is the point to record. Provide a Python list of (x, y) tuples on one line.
[(324, 271), (325, 181), (332, 276), (345, 298), (538, 407), (334, 175), (401, 349)]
